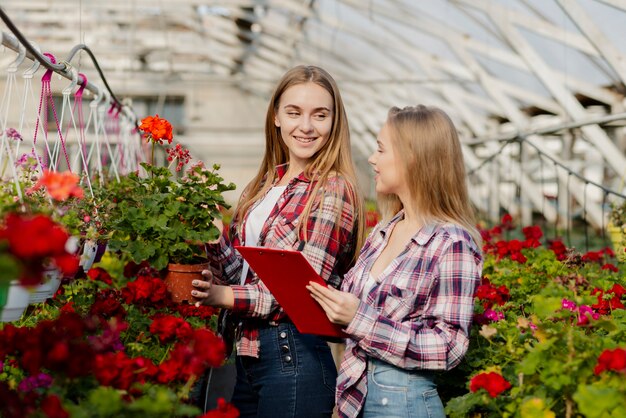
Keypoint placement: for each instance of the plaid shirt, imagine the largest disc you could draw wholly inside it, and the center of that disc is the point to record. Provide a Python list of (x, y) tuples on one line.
[(329, 248), (417, 314)]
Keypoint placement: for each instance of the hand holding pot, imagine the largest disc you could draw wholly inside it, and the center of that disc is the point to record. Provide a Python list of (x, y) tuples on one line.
[(209, 293)]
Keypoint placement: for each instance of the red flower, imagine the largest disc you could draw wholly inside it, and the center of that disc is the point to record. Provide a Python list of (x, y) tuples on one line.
[(533, 234), (611, 267), (132, 269), (512, 248), (100, 274), (146, 290), (611, 360), (492, 382), (68, 307), (34, 241), (224, 410), (179, 153), (507, 221), (34, 237), (607, 304), (594, 256), (371, 218), (107, 305), (60, 186), (202, 311), (51, 406), (168, 327), (559, 249), (156, 129), (115, 370), (491, 295)]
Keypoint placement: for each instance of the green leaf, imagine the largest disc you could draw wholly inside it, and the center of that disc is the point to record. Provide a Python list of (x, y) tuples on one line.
[(596, 401), (9, 267), (106, 401), (545, 307)]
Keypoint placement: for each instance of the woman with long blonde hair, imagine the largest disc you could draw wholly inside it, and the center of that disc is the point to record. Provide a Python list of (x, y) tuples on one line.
[(304, 197), (407, 303)]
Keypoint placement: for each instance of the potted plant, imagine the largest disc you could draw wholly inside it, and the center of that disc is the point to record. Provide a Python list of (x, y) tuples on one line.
[(36, 194), (164, 219), (30, 245)]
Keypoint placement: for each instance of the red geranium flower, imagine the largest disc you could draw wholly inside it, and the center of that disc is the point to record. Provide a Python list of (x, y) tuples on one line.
[(492, 382), (100, 274), (35, 241), (168, 327), (60, 186), (156, 129), (224, 410), (52, 408), (611, 360)]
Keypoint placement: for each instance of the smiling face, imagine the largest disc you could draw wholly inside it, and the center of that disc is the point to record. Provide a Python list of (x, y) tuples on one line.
[(305, 119), (387, 166)]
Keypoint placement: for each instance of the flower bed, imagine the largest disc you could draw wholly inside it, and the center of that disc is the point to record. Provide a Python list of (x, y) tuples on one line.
[(549, 337), (108, 346)]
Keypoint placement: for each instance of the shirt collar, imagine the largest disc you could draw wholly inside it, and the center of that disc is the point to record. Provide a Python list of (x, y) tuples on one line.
[(422, 236), (282, 169)]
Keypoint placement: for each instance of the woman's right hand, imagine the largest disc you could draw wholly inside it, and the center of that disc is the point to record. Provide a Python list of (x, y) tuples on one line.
[(202, 288), (208, 293)]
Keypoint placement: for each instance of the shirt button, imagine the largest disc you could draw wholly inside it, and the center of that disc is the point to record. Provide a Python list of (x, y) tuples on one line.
[(284, 348), (283, 334), (288, 359)]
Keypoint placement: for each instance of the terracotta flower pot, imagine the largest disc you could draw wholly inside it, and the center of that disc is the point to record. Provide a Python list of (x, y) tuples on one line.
[(179, 278)]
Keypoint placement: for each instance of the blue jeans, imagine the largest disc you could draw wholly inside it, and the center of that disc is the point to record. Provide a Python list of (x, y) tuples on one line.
[(294, 376), (394, 392)]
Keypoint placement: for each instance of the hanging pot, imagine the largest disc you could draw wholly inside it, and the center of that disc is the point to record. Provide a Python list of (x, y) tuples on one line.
[(179, 278), (51, 283), (102, 247), (15, 299), (88, 254)]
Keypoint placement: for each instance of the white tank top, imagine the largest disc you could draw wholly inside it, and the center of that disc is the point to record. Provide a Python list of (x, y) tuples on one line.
[(256, 219)]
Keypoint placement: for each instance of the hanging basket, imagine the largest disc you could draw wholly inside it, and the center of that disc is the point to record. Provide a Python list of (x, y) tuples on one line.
[(178, 280), (88, 253), (618, 238), (15, 298), (46, 290)]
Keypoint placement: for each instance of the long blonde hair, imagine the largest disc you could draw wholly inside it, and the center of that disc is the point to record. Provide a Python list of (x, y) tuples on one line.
[(426, 142), (334, 158)]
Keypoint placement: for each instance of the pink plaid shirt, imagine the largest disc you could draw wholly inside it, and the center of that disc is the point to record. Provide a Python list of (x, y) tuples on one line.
[(417, 314), (329, 248)]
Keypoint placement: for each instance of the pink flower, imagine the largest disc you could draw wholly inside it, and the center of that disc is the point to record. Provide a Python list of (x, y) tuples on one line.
[(14, 134), (568, 304), (583, 317), (493, 315)]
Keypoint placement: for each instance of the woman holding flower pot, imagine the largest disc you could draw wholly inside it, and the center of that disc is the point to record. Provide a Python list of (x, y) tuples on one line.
[(407, 304), (305, 198)]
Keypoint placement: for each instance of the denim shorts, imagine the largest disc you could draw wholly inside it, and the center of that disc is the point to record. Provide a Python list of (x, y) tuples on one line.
[(394, 392), (294, 376)]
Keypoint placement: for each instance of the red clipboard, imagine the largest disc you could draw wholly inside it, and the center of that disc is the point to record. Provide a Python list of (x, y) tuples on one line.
[(286, 273)]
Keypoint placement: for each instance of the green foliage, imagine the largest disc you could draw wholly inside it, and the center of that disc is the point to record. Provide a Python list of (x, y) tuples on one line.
[(540, 347), (165, 220), (106, 402)]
